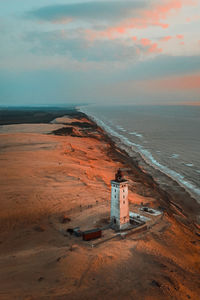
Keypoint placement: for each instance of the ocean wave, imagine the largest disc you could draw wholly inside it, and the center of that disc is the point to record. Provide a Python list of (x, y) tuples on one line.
[(174, 155), (121, 128), (146, 155), (136, 134), (189, 165)]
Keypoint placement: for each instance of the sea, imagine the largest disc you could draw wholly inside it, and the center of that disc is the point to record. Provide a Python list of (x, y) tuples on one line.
[(167, 137)]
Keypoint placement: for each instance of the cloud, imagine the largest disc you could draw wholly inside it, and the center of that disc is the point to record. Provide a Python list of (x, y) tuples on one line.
[(99, 10), (156, 80), (149, 46), (174, 90), (162, 66), (180, 36), (196, 103), (153, 48), (111, 19), (165, 38), (74, 45), (155, 14), (181, 82)]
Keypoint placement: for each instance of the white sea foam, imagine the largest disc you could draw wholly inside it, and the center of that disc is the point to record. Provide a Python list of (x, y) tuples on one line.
[(121, 128), (146, 154), (136, 134), (189, 165), (174, 155)]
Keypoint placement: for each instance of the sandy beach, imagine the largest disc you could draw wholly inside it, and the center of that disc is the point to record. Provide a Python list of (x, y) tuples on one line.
[(61, 166)]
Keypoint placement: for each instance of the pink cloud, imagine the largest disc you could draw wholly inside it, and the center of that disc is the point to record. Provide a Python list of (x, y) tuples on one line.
[(196, 103), (166, 38), (194, 18), (145, 42), (155, 16), (186, 82), (154, 48), (150, 46), (180, 36)]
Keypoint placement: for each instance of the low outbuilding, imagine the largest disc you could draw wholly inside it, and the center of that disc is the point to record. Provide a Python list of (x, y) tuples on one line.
[(91, 234)]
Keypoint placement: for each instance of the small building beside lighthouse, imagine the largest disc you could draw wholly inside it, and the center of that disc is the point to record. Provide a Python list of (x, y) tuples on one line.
[(119, 214)]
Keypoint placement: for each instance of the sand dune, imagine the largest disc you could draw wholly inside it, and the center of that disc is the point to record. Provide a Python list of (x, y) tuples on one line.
[(42, 178)]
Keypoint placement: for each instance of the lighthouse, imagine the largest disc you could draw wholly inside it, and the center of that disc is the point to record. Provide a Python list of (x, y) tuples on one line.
[(119, 214)]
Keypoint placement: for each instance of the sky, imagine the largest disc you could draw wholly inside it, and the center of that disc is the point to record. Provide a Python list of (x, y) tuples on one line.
[(55, 52)]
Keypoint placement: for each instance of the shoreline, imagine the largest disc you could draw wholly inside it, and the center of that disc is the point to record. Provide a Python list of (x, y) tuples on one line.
[(146, 166), (173, 197), (148, 163), (62, 171), (170, 191)]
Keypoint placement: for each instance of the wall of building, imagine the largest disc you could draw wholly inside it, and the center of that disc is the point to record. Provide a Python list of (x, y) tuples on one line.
[(115, 196), (119, 203), (124, 205)]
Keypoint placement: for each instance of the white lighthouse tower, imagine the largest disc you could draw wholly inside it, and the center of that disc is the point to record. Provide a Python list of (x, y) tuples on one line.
[(119, 214)]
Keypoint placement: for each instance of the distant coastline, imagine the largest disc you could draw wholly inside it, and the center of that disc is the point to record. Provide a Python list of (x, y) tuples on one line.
[(32, 115)]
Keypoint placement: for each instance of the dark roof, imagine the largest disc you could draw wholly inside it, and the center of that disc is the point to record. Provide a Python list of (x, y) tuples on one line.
[(116, 181), (91, 230)]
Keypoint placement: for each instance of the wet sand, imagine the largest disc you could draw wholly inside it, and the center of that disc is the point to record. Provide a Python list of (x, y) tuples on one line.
[(64, 169)]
